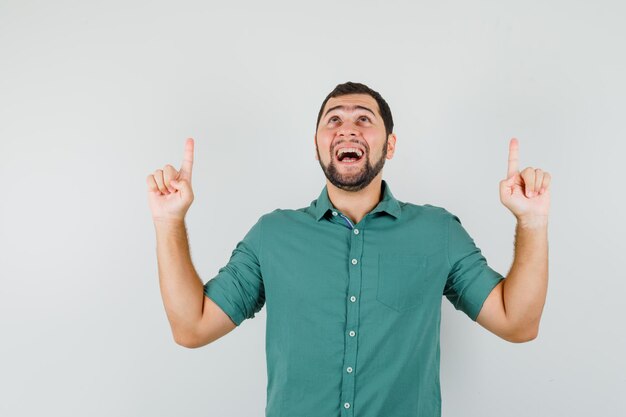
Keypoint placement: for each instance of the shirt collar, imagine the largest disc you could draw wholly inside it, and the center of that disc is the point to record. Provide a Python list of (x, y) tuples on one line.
[(388, 204)]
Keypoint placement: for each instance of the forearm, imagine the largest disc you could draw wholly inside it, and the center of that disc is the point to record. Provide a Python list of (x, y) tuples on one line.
[(526, 285), (181, 287)]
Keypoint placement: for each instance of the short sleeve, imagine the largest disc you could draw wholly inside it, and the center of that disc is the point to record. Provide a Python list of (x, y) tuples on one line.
[(238, 286), (470, 279)]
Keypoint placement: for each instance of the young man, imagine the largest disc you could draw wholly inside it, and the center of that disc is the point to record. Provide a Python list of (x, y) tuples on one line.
[(353, 283)]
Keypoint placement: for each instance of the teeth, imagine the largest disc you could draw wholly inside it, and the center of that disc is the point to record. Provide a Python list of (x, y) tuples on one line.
[(344, 150)]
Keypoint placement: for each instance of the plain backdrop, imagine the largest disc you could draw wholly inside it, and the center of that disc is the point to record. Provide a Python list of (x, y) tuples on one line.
[(94, 96)]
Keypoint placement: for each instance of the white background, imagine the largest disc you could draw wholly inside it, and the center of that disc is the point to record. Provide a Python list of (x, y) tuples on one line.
[(94, 96)]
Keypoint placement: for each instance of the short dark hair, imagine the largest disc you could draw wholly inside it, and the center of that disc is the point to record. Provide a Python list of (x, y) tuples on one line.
[(358, 88)]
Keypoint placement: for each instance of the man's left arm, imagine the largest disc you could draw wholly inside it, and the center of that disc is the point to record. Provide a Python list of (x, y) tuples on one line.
[(513, 309)]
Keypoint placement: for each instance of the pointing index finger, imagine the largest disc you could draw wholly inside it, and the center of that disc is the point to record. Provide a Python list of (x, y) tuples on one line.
[(513, 158), (187, 165)]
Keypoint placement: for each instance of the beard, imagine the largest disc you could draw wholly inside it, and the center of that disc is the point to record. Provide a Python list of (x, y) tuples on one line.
[(354, 180)]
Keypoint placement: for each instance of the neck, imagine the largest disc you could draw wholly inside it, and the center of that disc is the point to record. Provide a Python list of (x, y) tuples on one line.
[(356, 204)]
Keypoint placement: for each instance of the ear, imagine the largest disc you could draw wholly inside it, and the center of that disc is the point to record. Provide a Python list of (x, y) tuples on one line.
[(391, 145), (314, 146)]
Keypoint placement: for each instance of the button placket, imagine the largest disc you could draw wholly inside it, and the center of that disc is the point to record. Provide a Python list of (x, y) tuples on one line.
[(352, 320)]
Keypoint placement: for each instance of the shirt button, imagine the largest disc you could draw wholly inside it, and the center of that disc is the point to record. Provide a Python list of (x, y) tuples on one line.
[(334, 213), (349, 369), (347, 405), (356, 231), (352, 333), (353, 298), (354, 261)]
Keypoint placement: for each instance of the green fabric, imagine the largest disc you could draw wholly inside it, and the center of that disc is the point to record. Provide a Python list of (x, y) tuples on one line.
[(353, 318)]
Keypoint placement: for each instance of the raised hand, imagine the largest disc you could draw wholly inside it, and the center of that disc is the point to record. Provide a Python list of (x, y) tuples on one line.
[(526, 193), (169, 191)]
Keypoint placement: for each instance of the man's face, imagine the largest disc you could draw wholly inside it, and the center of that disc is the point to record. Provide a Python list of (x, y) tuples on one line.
[(357, 127)]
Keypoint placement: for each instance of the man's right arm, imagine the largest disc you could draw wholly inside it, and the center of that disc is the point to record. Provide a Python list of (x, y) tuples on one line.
[(194, 318)]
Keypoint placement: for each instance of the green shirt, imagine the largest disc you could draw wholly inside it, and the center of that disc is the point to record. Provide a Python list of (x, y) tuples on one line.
[(353, 311)]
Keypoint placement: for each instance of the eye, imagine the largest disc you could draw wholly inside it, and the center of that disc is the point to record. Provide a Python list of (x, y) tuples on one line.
[(365, 117), (331, 119)]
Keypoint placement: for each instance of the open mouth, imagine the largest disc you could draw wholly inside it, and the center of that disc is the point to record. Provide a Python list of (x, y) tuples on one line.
[(349, 155)]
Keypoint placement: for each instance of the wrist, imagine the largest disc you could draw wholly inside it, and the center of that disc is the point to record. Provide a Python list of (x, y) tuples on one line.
[(168, 222), (532, 222)]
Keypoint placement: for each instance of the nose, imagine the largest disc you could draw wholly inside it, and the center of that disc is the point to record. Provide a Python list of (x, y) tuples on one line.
[(347, 129)]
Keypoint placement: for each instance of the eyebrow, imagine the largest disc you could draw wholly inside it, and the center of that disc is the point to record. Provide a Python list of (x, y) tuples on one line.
[(349, 108)]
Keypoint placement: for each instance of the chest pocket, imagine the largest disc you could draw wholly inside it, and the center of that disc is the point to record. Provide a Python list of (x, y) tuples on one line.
[(402, 280)]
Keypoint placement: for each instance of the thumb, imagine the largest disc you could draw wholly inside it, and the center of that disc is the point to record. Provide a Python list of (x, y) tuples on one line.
[(181, 185)]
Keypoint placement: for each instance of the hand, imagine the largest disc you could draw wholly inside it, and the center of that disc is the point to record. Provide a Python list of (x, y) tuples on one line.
[(169, 191), (526, 194)]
